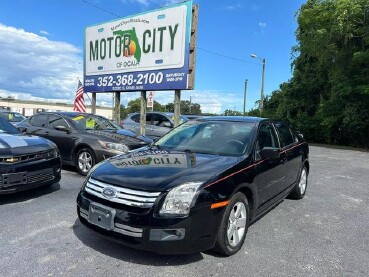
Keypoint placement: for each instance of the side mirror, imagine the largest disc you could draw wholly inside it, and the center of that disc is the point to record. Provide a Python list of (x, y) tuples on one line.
[(270, 153), (168, 124), (62, 128)]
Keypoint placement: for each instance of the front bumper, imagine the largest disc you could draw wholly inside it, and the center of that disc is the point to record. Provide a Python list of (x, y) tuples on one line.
[(27, 175), (142, 229)]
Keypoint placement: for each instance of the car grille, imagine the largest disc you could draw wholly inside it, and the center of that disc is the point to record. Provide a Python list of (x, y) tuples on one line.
[(28, 157), (41, 175), (130, 197)]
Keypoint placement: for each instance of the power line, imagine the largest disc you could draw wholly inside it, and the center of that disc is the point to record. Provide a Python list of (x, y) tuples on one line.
[(97, 7), (224, 56)]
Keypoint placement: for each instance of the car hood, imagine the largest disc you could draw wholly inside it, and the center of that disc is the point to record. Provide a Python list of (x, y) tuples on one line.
[(160, 170), (18, 143), (127, 139)]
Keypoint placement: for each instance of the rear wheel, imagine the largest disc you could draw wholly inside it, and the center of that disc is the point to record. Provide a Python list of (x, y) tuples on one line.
[(234, 225), (85, 160), (299, 190)]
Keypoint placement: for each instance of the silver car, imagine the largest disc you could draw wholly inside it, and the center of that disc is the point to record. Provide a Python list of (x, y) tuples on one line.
[(157, 123)]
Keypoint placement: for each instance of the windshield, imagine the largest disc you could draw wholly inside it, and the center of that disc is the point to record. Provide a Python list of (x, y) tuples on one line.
[(12, 116), (214, 137), (92, 122), (6, 127)]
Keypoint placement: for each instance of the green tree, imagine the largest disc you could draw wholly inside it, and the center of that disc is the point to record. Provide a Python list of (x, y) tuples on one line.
[(327, 97)]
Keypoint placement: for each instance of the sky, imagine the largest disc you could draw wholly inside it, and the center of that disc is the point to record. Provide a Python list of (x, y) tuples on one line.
[(41, 44)]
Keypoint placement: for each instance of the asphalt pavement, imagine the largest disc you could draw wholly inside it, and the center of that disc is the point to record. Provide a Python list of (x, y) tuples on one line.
[(325, 234)]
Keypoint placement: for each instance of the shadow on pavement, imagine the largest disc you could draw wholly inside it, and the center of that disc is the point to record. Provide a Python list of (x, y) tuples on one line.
[(117, 251), (32, 193)]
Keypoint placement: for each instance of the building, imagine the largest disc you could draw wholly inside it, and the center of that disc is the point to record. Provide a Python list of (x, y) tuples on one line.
[(29, 107)]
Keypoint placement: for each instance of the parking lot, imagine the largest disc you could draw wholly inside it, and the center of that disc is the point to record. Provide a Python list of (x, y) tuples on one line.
[(325, 234)]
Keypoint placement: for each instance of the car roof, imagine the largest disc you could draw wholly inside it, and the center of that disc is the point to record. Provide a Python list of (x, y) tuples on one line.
[(250, 119)]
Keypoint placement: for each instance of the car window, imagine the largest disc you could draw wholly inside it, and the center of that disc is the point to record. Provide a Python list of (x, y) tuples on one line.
[(56, 120), (149, 119), (267, 136), (285, 134), (160, 119), (136, 118), (38, 120), (12, 116)]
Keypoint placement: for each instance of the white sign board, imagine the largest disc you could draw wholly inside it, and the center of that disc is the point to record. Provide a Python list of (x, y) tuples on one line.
[(149, 51), (150, 100)]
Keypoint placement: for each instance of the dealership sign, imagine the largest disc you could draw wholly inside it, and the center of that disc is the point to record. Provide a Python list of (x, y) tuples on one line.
[(149, 51)]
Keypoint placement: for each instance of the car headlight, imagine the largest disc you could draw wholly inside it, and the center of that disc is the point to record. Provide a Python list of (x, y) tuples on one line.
[(179, 199), (53, 153), (114, 146)]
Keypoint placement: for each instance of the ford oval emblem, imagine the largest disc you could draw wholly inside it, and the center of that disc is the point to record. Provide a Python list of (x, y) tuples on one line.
[(109, 192)]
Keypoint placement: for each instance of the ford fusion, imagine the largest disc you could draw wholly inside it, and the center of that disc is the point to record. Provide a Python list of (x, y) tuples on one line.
[(197, 188), (26, 161)]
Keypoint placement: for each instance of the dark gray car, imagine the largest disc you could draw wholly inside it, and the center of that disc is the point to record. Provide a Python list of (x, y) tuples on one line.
[(83, 139), (157, 123)]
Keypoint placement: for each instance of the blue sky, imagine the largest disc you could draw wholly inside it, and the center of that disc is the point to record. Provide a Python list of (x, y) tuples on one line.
[(42, 48)]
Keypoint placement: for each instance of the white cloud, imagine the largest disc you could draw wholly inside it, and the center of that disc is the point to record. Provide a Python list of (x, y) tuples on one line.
[(231, 7), (32, 65), (262, 24), (44, 33), (146, 3)]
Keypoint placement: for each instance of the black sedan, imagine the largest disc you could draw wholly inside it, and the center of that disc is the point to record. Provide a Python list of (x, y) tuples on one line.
[(199, 187), (83, 139), (26, 161)]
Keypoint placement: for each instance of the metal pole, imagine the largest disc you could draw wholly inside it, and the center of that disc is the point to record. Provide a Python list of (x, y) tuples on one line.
[(143, 112), (117, 107), (190, 104), (262, 87), (93, 103), (177, 107), (244, 99)]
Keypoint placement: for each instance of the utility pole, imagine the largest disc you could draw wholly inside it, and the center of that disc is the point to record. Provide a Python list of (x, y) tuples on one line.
[(262, 87), (244, 99), (190, 103)]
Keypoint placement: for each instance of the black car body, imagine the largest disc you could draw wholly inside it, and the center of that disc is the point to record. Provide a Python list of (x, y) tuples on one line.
[(26, 161), (198, 187), (83, 139)]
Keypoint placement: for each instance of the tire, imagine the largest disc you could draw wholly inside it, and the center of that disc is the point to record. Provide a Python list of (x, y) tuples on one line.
[(238, 209), (85, 160), (298, 192)]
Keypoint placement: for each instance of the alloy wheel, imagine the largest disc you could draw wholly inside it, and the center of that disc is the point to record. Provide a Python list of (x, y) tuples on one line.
[(236, 224)]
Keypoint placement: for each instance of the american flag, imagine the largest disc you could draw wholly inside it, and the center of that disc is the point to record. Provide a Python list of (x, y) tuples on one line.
[(79, 101)]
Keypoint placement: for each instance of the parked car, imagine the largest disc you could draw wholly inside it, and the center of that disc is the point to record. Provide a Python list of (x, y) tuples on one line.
[(199, 187), (12, 117), (157, 123), (192, 116), (83, 139), (26, 161)]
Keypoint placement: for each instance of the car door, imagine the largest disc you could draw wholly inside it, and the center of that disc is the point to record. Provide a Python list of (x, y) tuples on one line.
[(271, 174), (293, 153), (64, 139)]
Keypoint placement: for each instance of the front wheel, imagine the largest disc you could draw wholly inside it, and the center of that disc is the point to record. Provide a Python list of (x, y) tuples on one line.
[(234, 225), (85, 160), (299, 190)]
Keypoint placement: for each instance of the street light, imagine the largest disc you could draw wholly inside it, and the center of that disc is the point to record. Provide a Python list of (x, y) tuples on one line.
[(262, 80), (244, 99)]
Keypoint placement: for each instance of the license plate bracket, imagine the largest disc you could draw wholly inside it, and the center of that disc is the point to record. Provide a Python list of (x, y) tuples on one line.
[(101, 216), (14, 179)]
